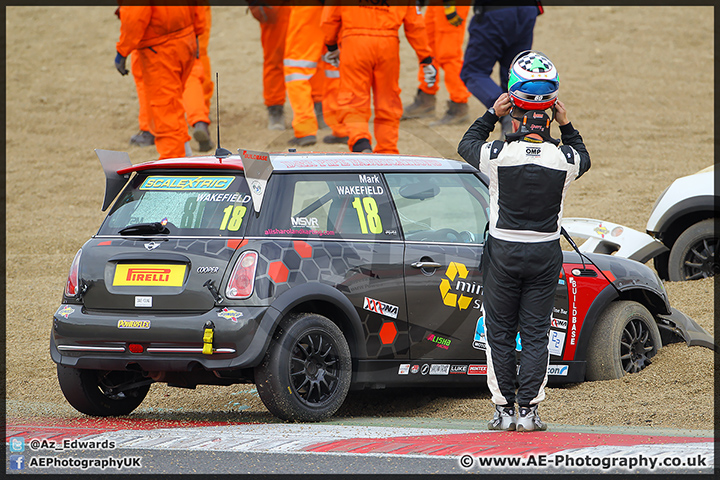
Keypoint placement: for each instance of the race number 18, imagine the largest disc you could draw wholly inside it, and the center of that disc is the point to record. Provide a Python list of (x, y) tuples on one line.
[(368, 209), (233, 217)]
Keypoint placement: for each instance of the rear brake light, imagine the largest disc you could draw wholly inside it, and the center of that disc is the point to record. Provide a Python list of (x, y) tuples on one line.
[(242, 279), (72, 286)]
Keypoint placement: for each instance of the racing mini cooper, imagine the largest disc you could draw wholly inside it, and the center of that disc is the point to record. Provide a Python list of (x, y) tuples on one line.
[(310, 274)]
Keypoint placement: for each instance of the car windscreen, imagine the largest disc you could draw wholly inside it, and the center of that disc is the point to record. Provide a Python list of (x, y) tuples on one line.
[(192, 204)]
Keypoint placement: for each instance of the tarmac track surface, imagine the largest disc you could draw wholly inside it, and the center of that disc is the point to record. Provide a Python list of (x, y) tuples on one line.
[(359, 446)]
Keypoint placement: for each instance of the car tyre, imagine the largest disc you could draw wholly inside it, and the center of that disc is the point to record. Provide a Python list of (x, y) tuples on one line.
[(86, 390), (306, 372), (624, 339), (694, 254)]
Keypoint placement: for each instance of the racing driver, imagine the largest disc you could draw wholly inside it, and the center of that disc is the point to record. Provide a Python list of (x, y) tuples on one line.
[(529, 175)]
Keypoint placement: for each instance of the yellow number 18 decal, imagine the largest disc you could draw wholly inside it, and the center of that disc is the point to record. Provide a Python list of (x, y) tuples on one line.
[(233, 217), (368, 208)]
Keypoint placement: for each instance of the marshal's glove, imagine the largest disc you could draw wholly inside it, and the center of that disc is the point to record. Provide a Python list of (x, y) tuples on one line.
[(430, 74), (120, 64), (332, 56), (452, 16)]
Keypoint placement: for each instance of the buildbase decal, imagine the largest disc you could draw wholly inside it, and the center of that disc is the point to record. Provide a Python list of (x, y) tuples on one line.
[(579, 302)]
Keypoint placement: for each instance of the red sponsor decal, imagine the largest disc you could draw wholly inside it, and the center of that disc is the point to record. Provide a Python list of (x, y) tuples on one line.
[(579, 301), (477, 370)]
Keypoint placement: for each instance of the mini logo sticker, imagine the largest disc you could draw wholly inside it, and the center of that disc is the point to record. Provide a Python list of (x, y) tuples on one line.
[(134, 324), (425, 369), (404, 369), (414, 369), (152, 246), (230, 314), (380, 307), (65, 311), (462, 369), (440, 369), (477, 370)]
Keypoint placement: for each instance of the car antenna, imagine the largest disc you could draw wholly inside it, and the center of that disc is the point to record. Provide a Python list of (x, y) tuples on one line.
[(220, 152)]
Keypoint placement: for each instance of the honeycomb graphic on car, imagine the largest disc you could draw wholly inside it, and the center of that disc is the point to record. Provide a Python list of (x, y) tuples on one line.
[(285, 264)]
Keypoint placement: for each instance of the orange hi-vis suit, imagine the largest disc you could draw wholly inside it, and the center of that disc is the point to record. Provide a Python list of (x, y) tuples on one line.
[(301, 65), (198, 88), (331, 113), (370, 60), (165, 40), (446, 43), (273, 32)]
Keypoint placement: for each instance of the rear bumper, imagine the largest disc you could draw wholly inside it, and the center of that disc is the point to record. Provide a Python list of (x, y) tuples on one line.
[(169, 342)]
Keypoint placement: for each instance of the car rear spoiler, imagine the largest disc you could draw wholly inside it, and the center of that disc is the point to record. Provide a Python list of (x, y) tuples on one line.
[(258, 168), (610, 238), (111, 162)]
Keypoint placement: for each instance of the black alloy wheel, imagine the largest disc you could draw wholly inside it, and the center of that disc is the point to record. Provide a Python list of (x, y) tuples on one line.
[(635, 345), (314, 368)]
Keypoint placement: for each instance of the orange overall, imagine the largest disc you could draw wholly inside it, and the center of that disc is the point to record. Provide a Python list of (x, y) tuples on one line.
[(164, 40), (273, 32), (303, 49), (446, 42), (370, 60), (331, 113), (199, 87)]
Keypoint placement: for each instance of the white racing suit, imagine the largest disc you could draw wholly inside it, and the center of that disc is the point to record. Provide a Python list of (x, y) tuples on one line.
[(522, 258)]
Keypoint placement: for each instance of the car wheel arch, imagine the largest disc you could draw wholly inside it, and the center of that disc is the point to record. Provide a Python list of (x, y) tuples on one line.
[(327, 301), (646, 297)]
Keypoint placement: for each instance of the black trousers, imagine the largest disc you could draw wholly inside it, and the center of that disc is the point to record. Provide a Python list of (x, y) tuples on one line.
[(520, 280)]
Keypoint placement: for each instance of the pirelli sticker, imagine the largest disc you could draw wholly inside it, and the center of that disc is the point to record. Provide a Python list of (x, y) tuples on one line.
[(186, 183), (135, 324), (155, 275)]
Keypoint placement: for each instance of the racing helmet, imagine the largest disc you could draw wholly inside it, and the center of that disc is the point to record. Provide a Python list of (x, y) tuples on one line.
[(533, 81)]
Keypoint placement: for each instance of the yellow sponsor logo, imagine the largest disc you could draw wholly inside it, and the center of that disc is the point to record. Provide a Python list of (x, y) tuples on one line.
[(140, 324), (186, 183), (149, 275), (452, 295)]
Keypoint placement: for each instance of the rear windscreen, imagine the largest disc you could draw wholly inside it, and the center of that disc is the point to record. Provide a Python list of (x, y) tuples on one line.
[(206, 204)]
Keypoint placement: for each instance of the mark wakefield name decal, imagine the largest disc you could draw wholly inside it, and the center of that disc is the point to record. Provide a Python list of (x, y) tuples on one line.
[(380, 307)]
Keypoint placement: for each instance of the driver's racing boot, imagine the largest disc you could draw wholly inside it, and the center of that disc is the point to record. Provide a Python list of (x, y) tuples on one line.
[(504, 418), (529, 420)]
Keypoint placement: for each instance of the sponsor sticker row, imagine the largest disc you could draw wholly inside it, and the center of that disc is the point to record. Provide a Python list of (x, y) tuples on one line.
[(448, 369)]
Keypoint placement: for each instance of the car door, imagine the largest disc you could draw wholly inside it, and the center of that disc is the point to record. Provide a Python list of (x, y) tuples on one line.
[(443, 218)]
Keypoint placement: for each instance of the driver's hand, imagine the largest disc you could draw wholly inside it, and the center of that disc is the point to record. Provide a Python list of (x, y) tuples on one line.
[(560, 113), (502, 105)]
